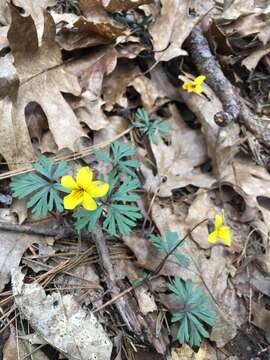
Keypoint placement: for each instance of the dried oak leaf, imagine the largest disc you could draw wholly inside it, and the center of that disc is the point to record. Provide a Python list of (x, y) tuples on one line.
[(91, 70), (178, 163), (123, 5), (96, 27), (61, 321), (36, 11), (42, 79), (174, 25)]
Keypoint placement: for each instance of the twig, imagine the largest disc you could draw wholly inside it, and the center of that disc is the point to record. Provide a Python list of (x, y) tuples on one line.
[(234, 106), (156, 271), (207, 64)]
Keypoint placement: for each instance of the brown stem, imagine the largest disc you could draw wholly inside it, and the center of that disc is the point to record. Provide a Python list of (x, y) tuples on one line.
[(208, 65)]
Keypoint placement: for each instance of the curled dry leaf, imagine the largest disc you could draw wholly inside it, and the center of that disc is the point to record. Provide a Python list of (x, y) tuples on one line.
[(90, 71), (178, 163), (96, 27), (120, 5), (42, 80), (13, 246), (61, 322), (173, 26)]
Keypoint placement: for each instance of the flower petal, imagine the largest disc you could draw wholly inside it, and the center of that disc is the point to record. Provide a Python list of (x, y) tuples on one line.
[(73, 199), (68, 182), (212, 238), (218, 221), (185, 86), (84, 177), (198, 89), (224, 234), (88, 202), (199, 80), (98, 189)]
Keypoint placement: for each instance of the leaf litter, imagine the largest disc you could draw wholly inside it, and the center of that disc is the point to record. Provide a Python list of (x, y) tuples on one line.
[(75, 76)]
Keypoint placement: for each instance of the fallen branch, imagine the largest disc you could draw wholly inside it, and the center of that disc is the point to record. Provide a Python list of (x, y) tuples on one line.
[(234, 107), (208, 65), (126, 305)]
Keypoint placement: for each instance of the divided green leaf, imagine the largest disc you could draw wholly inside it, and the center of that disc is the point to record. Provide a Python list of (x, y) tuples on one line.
[(87, 218), (42, 186), (194, 313), (121, 214), (151, 127), (119, 157), (167, 243)]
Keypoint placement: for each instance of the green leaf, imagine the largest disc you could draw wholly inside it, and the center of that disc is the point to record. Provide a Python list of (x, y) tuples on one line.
[(151, 127), (102, 155), (195, 311), (121, 218), (167, 243), (87, 218), (41, 187), (119, 157)]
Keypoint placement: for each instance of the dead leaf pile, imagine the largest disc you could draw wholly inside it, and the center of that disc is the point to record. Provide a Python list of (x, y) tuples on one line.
[(72, 76)]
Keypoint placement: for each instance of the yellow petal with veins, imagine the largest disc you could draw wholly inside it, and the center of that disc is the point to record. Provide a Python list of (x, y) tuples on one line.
[(98, 189), (68, 182), (224, 234), (212, 238), (84, 178), (73, 199), (88, 202)]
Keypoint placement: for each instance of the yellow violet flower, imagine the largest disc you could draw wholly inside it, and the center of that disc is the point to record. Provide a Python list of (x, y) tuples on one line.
[(195, 86), (84, 190), (221, 232)]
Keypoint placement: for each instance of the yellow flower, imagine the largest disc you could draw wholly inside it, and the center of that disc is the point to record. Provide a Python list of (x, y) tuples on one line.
[(195, 86), (83, 190), (221, 232)]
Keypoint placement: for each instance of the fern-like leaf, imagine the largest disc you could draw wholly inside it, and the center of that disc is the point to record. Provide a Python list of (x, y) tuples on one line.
[(42, 187), (119, 157), (166, 244), (87, 218), (195, 311), (151, 127)]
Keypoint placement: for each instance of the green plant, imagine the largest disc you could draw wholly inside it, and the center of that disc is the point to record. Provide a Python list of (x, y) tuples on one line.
[(41, 186), (119, 157), (194, 312), (151, 127), (117, 211), (167, 243), (139, 28)]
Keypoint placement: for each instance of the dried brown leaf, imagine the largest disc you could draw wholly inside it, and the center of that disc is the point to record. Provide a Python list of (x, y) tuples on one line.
[(42, 80), (178, 162), (90, 71), (222, 143), (96, 28), (261, 317), (173, 26), (36, 11), (120, 5)]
